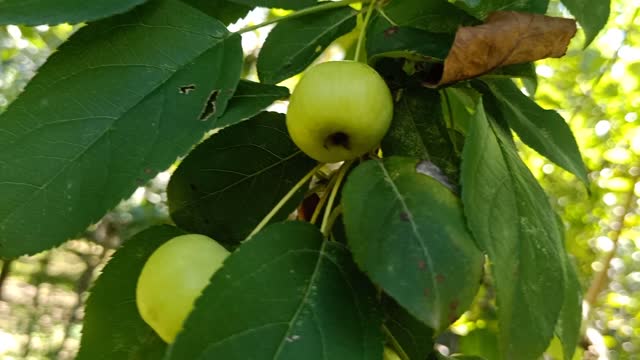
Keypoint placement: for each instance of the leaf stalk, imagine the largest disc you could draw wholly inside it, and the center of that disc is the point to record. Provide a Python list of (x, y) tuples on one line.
[(284, 200)]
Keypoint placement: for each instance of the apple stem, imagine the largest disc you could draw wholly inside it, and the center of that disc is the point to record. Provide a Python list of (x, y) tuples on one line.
[(284, 200), (386, 17), (323, 200), (332, 218), (363, 32), (396, 345), (325, 228), (307, 11)]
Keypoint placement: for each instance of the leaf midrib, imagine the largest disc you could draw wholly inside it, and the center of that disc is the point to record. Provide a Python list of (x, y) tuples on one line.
[(414, 228), (512, 177)]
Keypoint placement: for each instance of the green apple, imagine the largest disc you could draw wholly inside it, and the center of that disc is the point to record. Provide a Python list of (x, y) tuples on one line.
[(173, 277), (389, 354), (339, 110)]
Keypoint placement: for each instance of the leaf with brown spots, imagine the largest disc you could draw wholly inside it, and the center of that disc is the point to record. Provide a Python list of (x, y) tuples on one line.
[(506, 38), (407, 232)]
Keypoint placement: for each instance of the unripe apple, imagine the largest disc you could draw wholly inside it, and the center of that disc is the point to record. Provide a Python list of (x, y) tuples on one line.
[(339, 110), (173, 277)]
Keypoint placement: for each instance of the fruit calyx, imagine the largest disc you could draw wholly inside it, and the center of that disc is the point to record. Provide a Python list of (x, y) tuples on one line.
[(337, 139)]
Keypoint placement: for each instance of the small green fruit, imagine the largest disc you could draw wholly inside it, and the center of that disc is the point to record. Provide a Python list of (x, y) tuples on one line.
[(339, 110), (172, 278)]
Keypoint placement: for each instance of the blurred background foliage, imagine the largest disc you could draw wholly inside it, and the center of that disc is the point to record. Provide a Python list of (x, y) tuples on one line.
[(597, 90)]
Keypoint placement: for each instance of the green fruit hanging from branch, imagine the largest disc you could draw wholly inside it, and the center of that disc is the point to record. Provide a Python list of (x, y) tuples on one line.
[(173, 277), (339, 111)]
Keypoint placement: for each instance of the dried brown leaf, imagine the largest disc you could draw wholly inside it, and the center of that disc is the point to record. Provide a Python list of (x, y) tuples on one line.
[(506, 38)]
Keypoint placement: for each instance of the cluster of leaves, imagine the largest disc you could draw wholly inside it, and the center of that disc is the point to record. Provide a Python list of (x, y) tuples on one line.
[(140, 84)]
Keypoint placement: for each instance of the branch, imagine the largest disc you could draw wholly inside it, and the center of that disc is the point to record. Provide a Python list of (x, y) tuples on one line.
[(600, 279)]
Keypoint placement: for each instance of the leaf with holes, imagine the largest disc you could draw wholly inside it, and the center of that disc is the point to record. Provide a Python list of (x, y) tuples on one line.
[(408, 234), (293, 44), (112, 327), (39, 12), (100, 119), (512, 220), (285, 294), (230, 182)]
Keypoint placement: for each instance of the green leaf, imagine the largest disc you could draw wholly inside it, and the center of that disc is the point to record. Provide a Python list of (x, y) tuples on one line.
[(568, 327), (224, 10), (513, 222), (284, 294), (228, 183), (459, 107), (39, 12), (407, 232), (480, 9), (592, 16), (543, 130), (294, 44), (412, 335), (387, 40), (249, 99), (525, 72), (112, 327), (418, 130), (100, 119), (430, 15), (282, 4)]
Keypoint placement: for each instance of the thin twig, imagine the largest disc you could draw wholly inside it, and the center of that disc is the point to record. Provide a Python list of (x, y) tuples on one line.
[(600, 279), (284, 200)]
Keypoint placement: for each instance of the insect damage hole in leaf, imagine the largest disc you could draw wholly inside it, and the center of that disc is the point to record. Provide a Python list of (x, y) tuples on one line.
[(186, 89), (210, 106), (391, 31)]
